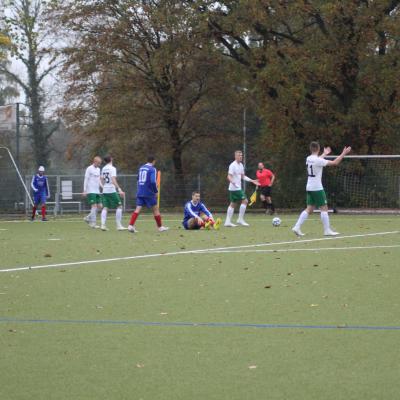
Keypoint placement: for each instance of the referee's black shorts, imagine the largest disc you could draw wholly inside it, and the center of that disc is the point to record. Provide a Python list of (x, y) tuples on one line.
[(266, 191)]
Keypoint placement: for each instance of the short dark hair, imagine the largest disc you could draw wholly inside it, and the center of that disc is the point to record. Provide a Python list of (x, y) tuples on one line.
[(314, 146), (150, 159), (107, 159), (195, 192)]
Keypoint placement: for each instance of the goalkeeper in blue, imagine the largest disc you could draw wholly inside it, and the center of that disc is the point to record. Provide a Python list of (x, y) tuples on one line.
[(197, 216), (41, 192)]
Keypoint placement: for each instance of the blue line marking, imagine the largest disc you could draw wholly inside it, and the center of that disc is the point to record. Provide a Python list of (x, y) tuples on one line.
[(199, 324)]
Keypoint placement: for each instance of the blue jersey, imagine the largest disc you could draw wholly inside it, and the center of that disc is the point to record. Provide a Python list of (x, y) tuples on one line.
[(194, 210), (147, 181), (40, 185)]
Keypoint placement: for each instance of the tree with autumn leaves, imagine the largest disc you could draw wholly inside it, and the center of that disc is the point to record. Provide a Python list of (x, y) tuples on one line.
[(143, 78), (148, 74)]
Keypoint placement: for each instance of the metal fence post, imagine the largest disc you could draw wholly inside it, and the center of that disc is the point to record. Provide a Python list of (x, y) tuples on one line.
[(57, 198), (199, 182)]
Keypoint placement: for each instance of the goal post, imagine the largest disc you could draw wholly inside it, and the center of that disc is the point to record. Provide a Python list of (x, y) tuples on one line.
[(8, 179), (365, 183)]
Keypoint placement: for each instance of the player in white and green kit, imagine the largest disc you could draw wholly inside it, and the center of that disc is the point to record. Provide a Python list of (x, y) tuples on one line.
[(112, 193), (236, 194), (316, 196), (91, 190)]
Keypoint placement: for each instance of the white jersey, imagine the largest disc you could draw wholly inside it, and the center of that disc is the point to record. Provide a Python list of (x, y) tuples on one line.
[(92, 180), (236, 170), (315, 166), (107, 173)]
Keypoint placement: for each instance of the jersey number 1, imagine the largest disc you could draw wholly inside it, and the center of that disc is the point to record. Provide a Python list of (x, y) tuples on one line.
[(310, 171)]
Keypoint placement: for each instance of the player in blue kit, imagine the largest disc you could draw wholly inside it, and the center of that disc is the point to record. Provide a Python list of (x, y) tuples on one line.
[(41, 192), (197, 216), (147, 194)]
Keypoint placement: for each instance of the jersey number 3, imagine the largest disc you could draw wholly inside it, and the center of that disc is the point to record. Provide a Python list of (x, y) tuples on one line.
[(106, 177), (310, 171)]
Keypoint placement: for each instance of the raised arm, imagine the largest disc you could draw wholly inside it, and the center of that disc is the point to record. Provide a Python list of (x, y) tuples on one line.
[(327, 151), (339, 159)]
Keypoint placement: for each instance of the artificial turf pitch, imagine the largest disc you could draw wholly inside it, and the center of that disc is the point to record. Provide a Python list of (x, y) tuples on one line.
[(257, 322)]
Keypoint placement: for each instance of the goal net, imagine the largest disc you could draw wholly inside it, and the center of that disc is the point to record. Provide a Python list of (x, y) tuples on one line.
[(365, 183), (13, 193)]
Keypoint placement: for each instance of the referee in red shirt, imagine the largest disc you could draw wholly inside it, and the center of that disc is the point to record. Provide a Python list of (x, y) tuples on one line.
[(266, 179)]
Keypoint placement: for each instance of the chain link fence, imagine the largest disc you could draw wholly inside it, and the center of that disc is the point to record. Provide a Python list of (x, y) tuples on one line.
[(66, 191)]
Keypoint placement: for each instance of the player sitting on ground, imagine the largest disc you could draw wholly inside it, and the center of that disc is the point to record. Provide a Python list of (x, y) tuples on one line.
[(40, 187), (197, 216), (147, 194), (316, 196)]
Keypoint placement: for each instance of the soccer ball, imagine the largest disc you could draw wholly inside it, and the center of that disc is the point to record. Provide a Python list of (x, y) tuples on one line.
[(276, 221)]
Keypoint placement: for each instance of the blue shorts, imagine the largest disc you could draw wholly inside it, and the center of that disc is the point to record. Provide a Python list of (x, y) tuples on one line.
[(39, 198), (146, 201), (186, 226)]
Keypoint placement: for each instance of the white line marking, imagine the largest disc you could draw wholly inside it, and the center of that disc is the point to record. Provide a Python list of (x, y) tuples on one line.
[(3, 229), (315, 249), (199, 251)]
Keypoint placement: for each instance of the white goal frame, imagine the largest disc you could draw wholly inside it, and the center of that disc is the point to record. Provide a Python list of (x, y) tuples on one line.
[(18, 172)]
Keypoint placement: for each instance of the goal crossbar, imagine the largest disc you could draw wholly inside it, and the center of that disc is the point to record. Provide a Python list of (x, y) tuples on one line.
[(390, 156)]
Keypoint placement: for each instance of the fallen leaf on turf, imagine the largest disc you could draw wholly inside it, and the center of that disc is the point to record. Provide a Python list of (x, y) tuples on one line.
[(267, 287), (47, 255), (314, 305), (163, 313), (289, 273), (315, 265), (252, 366), (140, 365), (12, 330)]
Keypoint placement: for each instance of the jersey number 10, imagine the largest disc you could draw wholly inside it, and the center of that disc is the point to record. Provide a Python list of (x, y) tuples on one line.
[(142, 176)]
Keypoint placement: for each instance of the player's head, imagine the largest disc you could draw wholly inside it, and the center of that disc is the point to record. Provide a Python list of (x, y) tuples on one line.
[(107, 159), (97, 161), (151, 160), (195, 196), (238, 156), (261, 166), (314, 147), (41, 170)]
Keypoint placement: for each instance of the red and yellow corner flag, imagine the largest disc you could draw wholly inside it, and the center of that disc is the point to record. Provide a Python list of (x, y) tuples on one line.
[(159, 188)]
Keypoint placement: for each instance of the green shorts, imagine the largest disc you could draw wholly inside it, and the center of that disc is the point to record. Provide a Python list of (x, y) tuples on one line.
[(236, 195), (111, 200), (316, 198), (93, 198)]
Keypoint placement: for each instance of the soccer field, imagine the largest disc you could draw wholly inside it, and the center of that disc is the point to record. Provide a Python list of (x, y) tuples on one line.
[(239, 313)]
